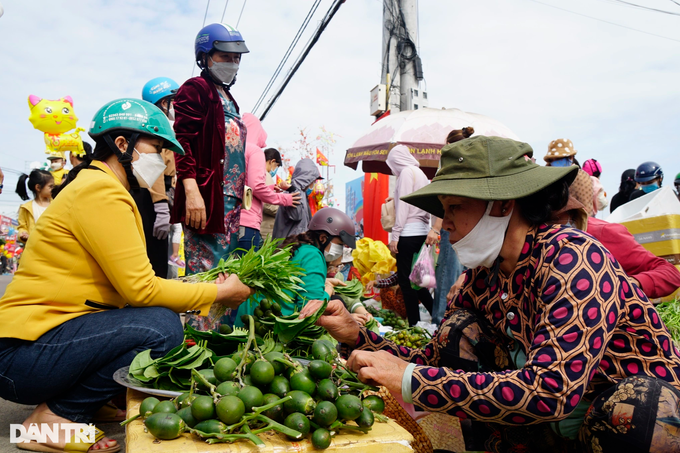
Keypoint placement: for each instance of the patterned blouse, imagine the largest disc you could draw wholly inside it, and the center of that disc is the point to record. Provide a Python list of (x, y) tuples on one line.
[(571, 309)]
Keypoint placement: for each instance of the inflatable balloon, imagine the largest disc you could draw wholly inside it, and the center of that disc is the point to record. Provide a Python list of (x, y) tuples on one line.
[(55, 119)]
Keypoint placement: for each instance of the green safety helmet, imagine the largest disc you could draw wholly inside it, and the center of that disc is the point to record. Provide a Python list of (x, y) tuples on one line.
[(677, 179), (135, 115)]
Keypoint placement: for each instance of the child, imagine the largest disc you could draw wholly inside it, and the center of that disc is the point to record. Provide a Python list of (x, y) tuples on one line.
[(40, 182)]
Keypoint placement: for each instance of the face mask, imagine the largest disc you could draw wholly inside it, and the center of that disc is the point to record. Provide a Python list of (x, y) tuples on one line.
[(147, 169), (334, 253), (649, 187), (564, 162), (272, 173), (224, 72), (171, 113), (482, 245), (308, 192), (55, 165)]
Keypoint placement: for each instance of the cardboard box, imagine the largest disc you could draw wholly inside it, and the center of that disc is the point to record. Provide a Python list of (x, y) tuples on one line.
[(660, 235)]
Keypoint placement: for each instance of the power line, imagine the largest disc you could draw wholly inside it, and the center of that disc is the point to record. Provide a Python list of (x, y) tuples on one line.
[(284, 60), (239, 16), (205, 16), (648, 8), (322, 26), (605, 21), (224, 11)]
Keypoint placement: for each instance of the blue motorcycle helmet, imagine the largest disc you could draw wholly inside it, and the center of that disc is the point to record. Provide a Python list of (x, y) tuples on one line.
[(648, 171), (159, 88), (222, 37)]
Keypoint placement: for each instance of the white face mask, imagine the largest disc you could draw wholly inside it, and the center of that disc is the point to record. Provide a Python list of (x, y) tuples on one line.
[(56, 165), (482, 245), (171, 113), (334, 253), (147, 169), (223, 71)]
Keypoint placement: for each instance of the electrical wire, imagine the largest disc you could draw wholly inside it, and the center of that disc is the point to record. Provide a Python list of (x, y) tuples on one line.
[(239, 16), (205, 16), (284, 60), (647, 7), (224, 11), (314, 39), (605, 21)]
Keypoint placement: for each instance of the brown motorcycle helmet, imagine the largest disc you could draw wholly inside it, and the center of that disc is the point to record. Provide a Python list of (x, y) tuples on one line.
[(335, 223)]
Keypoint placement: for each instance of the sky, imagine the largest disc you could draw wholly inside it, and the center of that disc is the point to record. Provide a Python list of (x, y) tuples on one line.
[(544, 72)]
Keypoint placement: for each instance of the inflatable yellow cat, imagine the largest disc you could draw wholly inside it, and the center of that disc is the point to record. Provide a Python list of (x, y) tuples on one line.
[(55, 118)]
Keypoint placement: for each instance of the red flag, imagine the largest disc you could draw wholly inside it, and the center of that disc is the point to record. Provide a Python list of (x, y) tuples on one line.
[(321, 159), (376, 190)]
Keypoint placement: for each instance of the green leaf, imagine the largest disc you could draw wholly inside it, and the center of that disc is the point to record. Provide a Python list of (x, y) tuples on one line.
[(151, 372), (140, 362), (288, 329)]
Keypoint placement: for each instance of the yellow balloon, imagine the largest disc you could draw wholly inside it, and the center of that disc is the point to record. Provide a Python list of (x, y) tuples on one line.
[(55, 119)]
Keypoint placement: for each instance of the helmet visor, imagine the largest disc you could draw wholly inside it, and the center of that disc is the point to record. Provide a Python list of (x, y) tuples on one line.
[(231, 46), (348, 239)]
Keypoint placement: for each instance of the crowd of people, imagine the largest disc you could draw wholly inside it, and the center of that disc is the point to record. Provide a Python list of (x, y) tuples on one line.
[(546, 336)]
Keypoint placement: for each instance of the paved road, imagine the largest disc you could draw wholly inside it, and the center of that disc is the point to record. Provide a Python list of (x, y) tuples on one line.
[(16, 413)]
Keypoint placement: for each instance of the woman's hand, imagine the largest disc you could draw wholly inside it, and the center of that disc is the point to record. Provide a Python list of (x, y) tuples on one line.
[(378, 368), (393, 247), (331, 283), (455, 289), (336, 320), (432, 237), (296, 199), (231, 292), (362, 318), (369, 286), (195, 206), (23, 236)]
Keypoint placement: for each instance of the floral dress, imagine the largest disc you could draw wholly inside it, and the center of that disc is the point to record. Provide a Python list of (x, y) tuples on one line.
[(204, 251)]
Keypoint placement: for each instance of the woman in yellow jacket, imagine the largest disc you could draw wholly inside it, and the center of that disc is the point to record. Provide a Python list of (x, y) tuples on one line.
[(85, 300), (40, 183)]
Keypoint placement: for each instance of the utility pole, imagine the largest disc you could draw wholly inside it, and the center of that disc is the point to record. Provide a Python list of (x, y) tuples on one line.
[(401, 66)]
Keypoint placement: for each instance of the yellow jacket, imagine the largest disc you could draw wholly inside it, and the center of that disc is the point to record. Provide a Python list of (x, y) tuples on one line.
[(58, 175), (88, 254), (26, 220)]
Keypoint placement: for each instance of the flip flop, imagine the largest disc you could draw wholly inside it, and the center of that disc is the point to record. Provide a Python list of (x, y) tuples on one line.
[(108, 413), (72, 446)]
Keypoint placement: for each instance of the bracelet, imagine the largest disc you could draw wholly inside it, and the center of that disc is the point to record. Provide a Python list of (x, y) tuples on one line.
[(438, 232)]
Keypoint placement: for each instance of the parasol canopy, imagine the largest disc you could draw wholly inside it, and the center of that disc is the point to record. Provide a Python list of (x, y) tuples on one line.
[(424, 131)]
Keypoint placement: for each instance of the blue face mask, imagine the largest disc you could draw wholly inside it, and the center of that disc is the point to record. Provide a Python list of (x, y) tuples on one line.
[(308, 192), (649, 187), (564, 162), (272, 173)]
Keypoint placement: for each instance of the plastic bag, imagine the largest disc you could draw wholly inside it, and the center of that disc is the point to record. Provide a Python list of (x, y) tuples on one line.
[(422, 274), (372, 259)]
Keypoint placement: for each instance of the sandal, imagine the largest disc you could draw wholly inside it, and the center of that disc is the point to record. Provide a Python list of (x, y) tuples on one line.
[(72, 446), (108, 413)]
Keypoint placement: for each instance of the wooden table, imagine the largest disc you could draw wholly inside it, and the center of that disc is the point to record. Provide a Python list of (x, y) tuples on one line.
[(383, 438)]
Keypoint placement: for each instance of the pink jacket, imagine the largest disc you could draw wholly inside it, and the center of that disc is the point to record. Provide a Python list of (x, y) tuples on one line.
[(409, 179), (657, 277), (256, 140)]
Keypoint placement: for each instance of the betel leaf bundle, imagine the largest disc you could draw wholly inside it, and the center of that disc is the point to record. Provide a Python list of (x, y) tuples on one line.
[(269, 271)]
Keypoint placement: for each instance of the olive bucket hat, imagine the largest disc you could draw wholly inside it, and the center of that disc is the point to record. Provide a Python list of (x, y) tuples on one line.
[(487, 168)]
